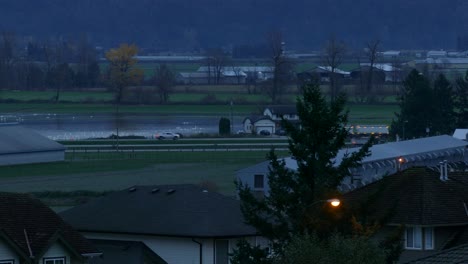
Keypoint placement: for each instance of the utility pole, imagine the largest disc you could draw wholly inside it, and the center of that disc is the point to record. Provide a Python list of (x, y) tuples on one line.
[(232, 120)]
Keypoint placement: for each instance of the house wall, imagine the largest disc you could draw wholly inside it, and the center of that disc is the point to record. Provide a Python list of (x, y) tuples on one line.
[(173, 250), (35, 157), (264, 125), (442, 235), (57, 250), (247, 126), (7, 253)]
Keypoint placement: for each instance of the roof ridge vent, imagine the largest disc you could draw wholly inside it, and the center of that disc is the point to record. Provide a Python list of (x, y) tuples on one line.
[(170, 191), (155, 190), (132, 189)]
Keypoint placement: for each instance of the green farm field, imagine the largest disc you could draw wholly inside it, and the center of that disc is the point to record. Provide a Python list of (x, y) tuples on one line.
[(208, 100)]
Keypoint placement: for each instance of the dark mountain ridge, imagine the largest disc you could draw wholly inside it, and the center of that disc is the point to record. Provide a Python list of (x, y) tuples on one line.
[(188, 24)]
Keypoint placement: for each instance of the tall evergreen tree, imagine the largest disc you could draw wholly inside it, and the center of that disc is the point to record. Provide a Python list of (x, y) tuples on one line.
[(294, 205), (416, 107), (461, 102), (443, 121)]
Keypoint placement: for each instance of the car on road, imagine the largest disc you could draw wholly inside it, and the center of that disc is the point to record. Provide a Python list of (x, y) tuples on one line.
[(167, 135)]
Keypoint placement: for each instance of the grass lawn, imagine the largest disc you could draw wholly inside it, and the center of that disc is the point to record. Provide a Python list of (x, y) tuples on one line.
[(122, 171)]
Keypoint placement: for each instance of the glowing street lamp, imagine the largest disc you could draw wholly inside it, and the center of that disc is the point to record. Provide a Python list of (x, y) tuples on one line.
[(334, 202)]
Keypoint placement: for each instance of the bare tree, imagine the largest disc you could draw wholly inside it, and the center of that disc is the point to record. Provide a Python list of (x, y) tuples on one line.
[(164, 80), (281, 67), (333, 56), (372, 56), (7, 58), (216, 60)]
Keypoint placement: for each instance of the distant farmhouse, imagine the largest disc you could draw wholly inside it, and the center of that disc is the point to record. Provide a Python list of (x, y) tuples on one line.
[(227, 75), (324, 73), (383, 72), (180, 223), (385, 159), (19, 145), (442, 65), (271, 119)]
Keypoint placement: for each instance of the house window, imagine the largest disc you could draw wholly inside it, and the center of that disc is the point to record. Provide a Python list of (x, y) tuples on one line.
[(222, 252), (60, 260), (258, 181), (7, 261), (421, 238)]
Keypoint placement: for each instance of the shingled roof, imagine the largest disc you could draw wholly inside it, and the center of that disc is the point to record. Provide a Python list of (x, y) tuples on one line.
[(456, 255), (417, 197), (31, 227), (168, 210)]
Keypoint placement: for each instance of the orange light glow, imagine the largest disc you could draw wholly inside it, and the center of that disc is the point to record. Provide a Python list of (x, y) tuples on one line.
[(334, 202)]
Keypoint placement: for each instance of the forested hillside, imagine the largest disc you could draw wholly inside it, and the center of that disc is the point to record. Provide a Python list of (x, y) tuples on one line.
[(189, 24)]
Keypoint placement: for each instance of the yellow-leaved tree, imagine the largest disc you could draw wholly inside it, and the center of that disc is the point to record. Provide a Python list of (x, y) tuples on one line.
[(123, 71)]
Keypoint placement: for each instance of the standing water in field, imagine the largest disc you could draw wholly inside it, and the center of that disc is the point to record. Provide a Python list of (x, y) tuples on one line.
[(73, 127)]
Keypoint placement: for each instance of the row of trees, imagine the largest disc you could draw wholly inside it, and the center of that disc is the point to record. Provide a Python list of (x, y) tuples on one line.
[(60, 65), (431, 107), (49, 64)]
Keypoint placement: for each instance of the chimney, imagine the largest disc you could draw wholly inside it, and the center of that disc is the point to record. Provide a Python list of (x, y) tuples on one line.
[(445, 170), (441, 169)]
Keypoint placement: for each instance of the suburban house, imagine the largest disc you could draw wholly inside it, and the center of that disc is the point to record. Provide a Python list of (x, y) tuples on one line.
[(276, 112), (257, 124), (30, 232), (384, 159), (428, 203), (271, 119), (19, 145), (180, 223)]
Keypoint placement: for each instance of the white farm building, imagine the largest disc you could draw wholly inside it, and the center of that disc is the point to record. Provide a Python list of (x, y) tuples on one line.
[(19, 145)]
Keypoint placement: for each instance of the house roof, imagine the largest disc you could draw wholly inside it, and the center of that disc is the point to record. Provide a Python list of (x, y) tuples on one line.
[(416, 197), (329, 69), (408, 148), (455, 255), (241, 68), (194, 74), (22, 215), (461, 133), (282, 109), (381, 66), (17, 139), (167, 210), (125, 252)]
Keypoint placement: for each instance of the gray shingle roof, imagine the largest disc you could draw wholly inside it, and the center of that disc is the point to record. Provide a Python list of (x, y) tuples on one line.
[(17, 139), (135, 252), (189, 211), (417, 197), (20, 213), (456, 255), (408, 148)]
